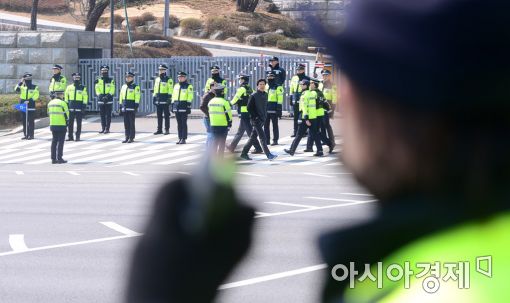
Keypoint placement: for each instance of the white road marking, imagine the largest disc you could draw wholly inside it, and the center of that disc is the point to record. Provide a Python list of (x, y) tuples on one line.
[(182, 159), (154, 159), (338, 200), (73, 173), (260, 213), (357, 194), (121, 229), (312, 209), (17, 243), (250, 174), (291, 204), (319, 175), (271, 277), (130, 173), (19, 172)]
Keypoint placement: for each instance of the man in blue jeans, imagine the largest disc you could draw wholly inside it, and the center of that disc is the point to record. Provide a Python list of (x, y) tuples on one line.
[(204, 107)]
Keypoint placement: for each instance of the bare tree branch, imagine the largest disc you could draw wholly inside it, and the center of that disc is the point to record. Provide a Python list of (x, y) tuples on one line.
[(33, 15), (95, 14)]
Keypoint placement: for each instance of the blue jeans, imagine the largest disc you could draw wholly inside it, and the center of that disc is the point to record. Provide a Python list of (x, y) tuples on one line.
[(207, 125)]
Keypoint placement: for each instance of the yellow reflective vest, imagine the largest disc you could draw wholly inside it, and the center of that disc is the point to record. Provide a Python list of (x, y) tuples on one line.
[(27, 93), (308, 105), (58, 112), (58, 84), (76, 97), (241, 99), (182, 96), (129, 96), (105, 86), (210, 81), (220, 113)]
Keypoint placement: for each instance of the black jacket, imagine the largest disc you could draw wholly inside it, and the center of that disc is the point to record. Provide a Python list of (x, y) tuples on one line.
[(257, 106), (281, 74)]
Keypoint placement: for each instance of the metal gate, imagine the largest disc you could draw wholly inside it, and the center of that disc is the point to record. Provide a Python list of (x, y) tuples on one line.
[(197, 68)]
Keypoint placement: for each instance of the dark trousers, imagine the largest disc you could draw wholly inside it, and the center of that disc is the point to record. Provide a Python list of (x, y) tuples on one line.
[(312, 130), (129, 124), (328, 129), (182, 124), (321, 133), (163, 110), (257, 131), (105, 110), (57, 142), (244, 126), (28, 123), (72, 116), (272, 118), (219, 138), (296, 118)]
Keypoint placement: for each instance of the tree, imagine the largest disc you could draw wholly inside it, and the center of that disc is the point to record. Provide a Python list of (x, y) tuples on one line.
[(33, 15), (247, 6), (95, 13)]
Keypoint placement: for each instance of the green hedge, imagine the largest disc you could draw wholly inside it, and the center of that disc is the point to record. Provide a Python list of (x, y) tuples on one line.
[(11, 117)]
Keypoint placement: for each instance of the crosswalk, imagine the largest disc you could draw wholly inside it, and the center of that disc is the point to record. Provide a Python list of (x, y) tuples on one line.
[(147, 149)]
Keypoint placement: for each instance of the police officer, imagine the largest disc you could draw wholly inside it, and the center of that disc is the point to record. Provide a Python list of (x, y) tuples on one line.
[(295, 93), (274, 107), (105, 90), (321, 113), (215, 78), (163, 87), (76, 96), (241, 100), (28, 94), (58, 82), (279, 72), (308, 117), (58, 113), (181, 104), (129, 101), (329, 92), (220, 115)]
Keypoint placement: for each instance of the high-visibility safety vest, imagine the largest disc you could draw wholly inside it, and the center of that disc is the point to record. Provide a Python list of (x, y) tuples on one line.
[(210, 81), (220, 113), (104, 86), (330, 92), (130, 96), (76, 97), (308, 105), (274, 98), (58, 112), (241, 99), (27, 93), (58, 84), (466, 263), (163, 85), (320, 102), (182, 96)]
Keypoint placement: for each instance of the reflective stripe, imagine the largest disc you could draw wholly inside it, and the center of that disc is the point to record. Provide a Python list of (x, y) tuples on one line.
[(218, 105), (56, 113), (100, 102), (215, 113), (271, 112), (182, 110), (31, 109), (129, 109)]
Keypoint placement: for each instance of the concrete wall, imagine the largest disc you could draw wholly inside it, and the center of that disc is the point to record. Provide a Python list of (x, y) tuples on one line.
[(328, 11), (37, 52)]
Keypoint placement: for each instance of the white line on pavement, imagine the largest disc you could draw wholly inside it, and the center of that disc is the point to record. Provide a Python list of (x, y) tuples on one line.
[(312, 209), (250, 174), (121, 229), (291, 204), (338, 200), (130, 173), (357, 194), (73, 173), (319, 175), (17, 243), (281, 275), (19, 172)]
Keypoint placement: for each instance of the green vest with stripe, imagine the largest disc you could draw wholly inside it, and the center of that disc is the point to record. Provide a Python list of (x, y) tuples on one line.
[(241, 99), (220, 113), (58, 112), (308, 105)]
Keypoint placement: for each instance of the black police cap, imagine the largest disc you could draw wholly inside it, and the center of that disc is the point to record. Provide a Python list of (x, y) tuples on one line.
[(274, 58), (27, 75), (56, 66), (163, 66), (444, 55), (76, 75), (300, 66), (215, 67), (105, 67), (182, 74), (130, 74), (305, 82), (243, 76)]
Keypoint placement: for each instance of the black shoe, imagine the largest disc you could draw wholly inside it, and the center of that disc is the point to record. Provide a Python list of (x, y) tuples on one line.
[(257, 152), (271, 157), (77, 139), (125, 141), (318, 154), (70, 139), (230, 149), (107, 131), (274, 143), (331, 147), (293, 136), (131, 140), (183, 141), (178, 142), (158, 132), (61, 161), (54, 162), (308, 150), (102, 132), (288, 151), (30, 138), (244, 157), (24, 138), (167, 132)]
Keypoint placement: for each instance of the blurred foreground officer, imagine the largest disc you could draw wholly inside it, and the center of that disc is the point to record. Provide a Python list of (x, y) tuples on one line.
[(162, 97), (241, 100), (295, 93), (215, 79), (105, 90), (58, 112), (274, 107), (58, 82), (181, 105), (220, 115), (76, 97), (28, 94), (129, 101)]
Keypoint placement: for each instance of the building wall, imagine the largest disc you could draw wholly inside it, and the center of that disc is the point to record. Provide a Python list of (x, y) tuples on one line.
[(328, 11), (36, 52)]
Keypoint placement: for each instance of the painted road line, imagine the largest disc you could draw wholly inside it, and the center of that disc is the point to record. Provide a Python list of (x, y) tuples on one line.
[(73, 173), (313, 209), (130, 173), (17, 243), (259, 213), (251, 174), (291, 204), (69, 155), (8, 151), (19, 172), (357, 194), (319, 175), (338, 200), (316, 160), (182, 159), (18, 154), (102, 156), (163, 155), (121, 229), (271, 277), (131, 154)]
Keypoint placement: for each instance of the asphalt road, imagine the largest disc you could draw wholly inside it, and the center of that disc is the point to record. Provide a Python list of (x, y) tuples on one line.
[(68, 231)]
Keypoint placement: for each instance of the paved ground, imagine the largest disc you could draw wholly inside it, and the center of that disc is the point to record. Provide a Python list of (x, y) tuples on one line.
[(68, 231)]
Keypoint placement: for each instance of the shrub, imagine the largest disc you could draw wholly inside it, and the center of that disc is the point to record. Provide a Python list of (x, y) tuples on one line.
[(191, 23), (255, 27), (272, 39), (117, 21), (47, 6), (304, 43), (221, 24), (147, 16), (174, 21), (288, 44), (136, 21)]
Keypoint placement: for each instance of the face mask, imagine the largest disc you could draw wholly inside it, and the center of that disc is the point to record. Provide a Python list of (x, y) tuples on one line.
[(104, 74)]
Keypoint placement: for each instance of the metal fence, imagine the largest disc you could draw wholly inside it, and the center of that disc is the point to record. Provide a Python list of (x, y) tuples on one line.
[(197, 68)]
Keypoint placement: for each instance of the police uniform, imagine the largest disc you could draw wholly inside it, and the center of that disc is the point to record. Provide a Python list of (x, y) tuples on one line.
[(162, 96), (76, 96), (329, 92), (181, 104), (58, 82), (58, 113), (279, 72), (105, 90), (295, 93), (28, 94), (220, 116), (215, 78), (322, 109), (308, 112), (129, 100), (274, 107), (241, 101)]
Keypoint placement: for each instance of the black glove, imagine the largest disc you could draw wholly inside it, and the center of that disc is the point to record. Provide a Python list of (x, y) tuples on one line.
[(291, 97), (52, 95), (172, 107), (188, 110), (279, 111), (173, 264), (154, 100)]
